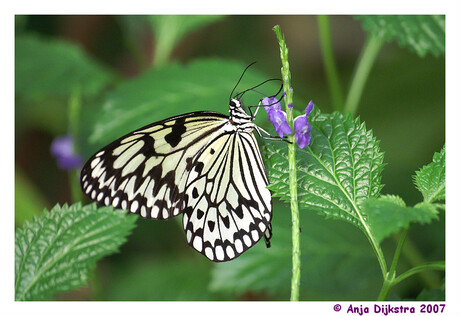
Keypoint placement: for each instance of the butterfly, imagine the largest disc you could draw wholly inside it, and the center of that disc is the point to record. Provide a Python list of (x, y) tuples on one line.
[(204, 165)]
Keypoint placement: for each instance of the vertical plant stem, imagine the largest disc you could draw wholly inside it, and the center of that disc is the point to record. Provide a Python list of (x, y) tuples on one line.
[(74, 118), (295, 281), (329, 63), (286, 74), (366, 61), (166, 36), (390, 276)]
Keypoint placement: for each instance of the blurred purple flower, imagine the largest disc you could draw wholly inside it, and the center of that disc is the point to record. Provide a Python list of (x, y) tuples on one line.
[(302, 128), (276, 116), (62, 150)]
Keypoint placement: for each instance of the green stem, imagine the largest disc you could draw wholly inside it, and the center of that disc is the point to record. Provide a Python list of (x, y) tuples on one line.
[(391, 279), (388, 282), (74, 114), (439, 265), (366, 61), (329, 63), (295, 282), (286, 75), (394, 264), (166, 33), (74, 120)]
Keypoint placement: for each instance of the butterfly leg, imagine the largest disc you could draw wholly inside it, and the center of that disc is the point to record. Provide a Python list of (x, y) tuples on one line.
[(271, 137)]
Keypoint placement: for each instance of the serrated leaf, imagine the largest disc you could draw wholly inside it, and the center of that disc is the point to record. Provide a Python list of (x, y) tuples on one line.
[(421, 33), (431, 179), (168, 279), (61, 68), (337, 263), (386, 217), (55, 251), (395, 199), (335, 174), (172, 90)]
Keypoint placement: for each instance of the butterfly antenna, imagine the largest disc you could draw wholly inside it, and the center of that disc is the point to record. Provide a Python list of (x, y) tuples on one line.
[(239, 95), (241, 77)]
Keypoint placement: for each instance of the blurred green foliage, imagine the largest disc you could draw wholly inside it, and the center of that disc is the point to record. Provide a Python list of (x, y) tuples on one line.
[(421, 33), (403, 104)]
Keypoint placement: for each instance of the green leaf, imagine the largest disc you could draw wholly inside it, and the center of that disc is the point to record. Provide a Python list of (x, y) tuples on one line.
[(337, 263), (421, 33), (338, 171), (55, 251), (168, 279), (170, 29), (45, 67), (431, 179), (172, 90), (387, 217)]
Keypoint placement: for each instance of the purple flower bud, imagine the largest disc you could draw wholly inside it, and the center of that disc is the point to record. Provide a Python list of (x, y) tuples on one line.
[(309, 108), (276, 116), (290, 105), (62, 150), (302, 128)]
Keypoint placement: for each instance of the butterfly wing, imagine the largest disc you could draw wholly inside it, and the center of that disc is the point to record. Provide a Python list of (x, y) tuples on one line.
[(145, 171), (227, 205)]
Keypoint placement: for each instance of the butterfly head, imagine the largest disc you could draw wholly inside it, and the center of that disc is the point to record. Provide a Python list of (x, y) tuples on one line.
[(238, 115)]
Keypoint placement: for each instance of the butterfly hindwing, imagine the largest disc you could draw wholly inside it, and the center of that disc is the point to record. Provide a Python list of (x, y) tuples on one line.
[(228, 207), (145, 171)]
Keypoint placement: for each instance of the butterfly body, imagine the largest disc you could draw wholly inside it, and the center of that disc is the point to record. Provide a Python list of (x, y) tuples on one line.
[(204, 165)]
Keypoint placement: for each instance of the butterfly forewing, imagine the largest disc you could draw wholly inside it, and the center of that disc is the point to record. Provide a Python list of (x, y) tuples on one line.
[(145, 171)]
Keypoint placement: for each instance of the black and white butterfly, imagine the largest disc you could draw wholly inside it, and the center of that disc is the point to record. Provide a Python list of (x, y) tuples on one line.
[(204, 165)]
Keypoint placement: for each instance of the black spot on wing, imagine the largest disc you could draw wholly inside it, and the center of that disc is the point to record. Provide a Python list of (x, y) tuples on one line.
[(199, 167), (177, 130), (189, 165), (149, 146), (195, 193), (239, 211), (211, 225), (226, 221)]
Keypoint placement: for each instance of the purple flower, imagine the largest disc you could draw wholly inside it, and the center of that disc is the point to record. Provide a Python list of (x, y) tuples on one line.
[(62, 150), (271, 104), (276, 116), (302, 128)]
